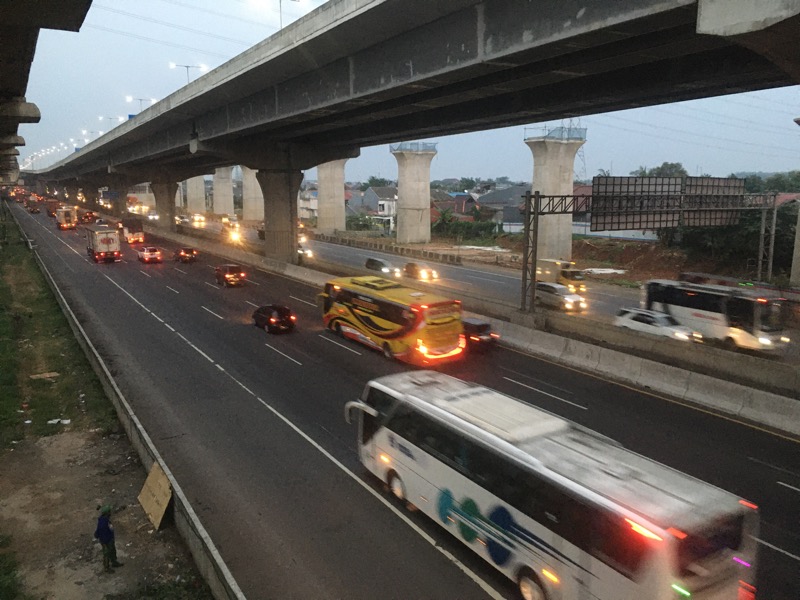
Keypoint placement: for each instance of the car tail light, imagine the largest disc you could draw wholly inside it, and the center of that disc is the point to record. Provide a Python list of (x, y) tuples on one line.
[(241, 274), (273, 320), (293, 318)]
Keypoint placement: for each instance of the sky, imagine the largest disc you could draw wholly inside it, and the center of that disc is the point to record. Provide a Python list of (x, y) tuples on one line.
[(80, 82)]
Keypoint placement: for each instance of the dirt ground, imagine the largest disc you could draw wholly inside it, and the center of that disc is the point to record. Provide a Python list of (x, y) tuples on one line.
[(639, 260), (50, 489)]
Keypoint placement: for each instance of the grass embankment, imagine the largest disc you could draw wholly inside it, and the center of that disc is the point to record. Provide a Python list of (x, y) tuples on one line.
[(46, 382)]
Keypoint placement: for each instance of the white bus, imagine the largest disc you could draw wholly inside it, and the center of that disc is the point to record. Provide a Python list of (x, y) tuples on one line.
[(735, 317), (564, 512)]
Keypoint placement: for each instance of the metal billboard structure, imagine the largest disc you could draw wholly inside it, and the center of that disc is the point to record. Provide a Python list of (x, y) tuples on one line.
[(621, 203)]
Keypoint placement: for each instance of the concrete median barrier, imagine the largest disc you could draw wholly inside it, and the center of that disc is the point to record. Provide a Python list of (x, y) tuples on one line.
[(663, 378), (716, 394), (772, 410)]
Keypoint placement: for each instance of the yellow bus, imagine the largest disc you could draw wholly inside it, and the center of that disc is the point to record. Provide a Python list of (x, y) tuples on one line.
[(407, 324)]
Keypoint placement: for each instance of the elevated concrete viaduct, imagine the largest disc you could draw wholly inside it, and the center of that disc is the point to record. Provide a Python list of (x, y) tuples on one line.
[(356, 73)]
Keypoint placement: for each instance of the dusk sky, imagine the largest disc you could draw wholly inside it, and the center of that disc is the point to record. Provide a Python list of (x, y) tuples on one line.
[(80, 82)]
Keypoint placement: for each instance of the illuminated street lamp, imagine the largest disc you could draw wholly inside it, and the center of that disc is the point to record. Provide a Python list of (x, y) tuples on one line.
[(203, 69), (117, 119), (141, 100)]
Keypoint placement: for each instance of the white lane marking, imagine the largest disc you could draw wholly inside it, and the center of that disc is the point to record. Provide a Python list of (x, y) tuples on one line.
[(284, 355), (211, 284), (203, 354), (771, 466), (146, 274), (301, 300), (397, 512), (327, 339), (791, 487), (251, 281), (250, 303), (170, 327), (157, 318), (173, 289), (219, 366), (128, 294), (181, 270), (781, 550), (531, 378), (212, 312), (545, 393)]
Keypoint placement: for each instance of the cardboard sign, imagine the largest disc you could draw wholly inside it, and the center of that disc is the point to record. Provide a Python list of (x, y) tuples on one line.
[(155, 495)]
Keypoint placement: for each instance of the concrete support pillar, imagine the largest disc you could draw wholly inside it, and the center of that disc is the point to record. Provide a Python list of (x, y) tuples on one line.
[(252, 197), (280, 190), (72, 194), (179, 196), (92, 195), (794, 277), (223, 191), (330, 199), (164, 194), (414, 192), (196, 195), (553, 168), (119, 199)]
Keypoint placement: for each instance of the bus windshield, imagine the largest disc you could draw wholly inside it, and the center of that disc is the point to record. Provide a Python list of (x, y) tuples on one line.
[(696, 547), (573, 274), (773, 316)]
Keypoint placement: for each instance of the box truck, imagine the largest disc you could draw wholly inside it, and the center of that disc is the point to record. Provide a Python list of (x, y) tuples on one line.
[(102, 243)]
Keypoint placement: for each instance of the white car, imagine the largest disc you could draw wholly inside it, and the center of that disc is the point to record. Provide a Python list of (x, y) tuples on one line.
[(657, 323), (559, 297), (149, 254)]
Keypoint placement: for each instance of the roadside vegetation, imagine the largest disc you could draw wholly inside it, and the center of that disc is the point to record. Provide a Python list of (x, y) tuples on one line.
[(47, 385)]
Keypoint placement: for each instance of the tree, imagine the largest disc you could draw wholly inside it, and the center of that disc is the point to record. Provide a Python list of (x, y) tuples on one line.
[(374, 182), (467, 183), (640, 172), (605, 173)]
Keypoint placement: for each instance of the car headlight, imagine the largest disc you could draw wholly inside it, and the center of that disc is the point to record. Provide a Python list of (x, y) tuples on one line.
[(568, 305), (765, 341), (785, 339), (697, 335), (681, 336), (385, 270), (584, 305)]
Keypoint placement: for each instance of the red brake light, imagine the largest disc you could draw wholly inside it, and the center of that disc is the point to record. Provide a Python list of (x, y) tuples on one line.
[(676, 533), (748, 504), (272, 319), (293, 318), (474, 338), (241, 274)]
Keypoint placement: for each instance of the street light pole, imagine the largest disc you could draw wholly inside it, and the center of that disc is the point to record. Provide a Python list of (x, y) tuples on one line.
[(280, 10), (141, 100), (203, 69)]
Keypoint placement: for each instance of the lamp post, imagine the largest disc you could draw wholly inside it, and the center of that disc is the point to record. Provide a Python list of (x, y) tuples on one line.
[(141, 100), (280, 10), (203, 69), (117, 119)]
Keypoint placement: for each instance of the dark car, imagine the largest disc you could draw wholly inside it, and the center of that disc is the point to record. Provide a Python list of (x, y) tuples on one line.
[(479, 334), (230, 274), (89, 217), (420, 272), (186, 254), (274, 318), (33, 209)]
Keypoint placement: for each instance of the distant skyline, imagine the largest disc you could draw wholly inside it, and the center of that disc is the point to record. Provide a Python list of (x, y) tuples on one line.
[(80, 82)]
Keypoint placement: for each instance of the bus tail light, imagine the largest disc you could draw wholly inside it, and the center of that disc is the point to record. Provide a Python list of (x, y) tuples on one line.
[(385, 459), (641, 530), (748, 504), (676, 533), (746, 591)]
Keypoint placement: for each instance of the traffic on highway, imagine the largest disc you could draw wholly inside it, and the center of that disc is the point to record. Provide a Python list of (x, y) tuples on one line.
[(301, 503)]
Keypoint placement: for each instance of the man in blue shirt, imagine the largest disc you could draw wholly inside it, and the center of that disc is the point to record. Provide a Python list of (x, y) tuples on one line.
[(105, 535)]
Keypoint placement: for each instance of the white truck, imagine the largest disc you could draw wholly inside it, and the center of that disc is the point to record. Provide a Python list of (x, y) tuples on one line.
[(552, 270), (66, 218), (102, 243)]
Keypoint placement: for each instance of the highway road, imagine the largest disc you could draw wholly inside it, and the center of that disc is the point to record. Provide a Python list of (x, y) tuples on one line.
[(479, 280), (252, 426)]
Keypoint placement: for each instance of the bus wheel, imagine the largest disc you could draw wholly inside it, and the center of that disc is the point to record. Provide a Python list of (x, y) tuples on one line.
[(387, 351), (529, 586), (396, 487), (338, 329)]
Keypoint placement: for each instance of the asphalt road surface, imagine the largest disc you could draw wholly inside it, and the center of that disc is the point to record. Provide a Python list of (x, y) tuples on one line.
[(252, 426)]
